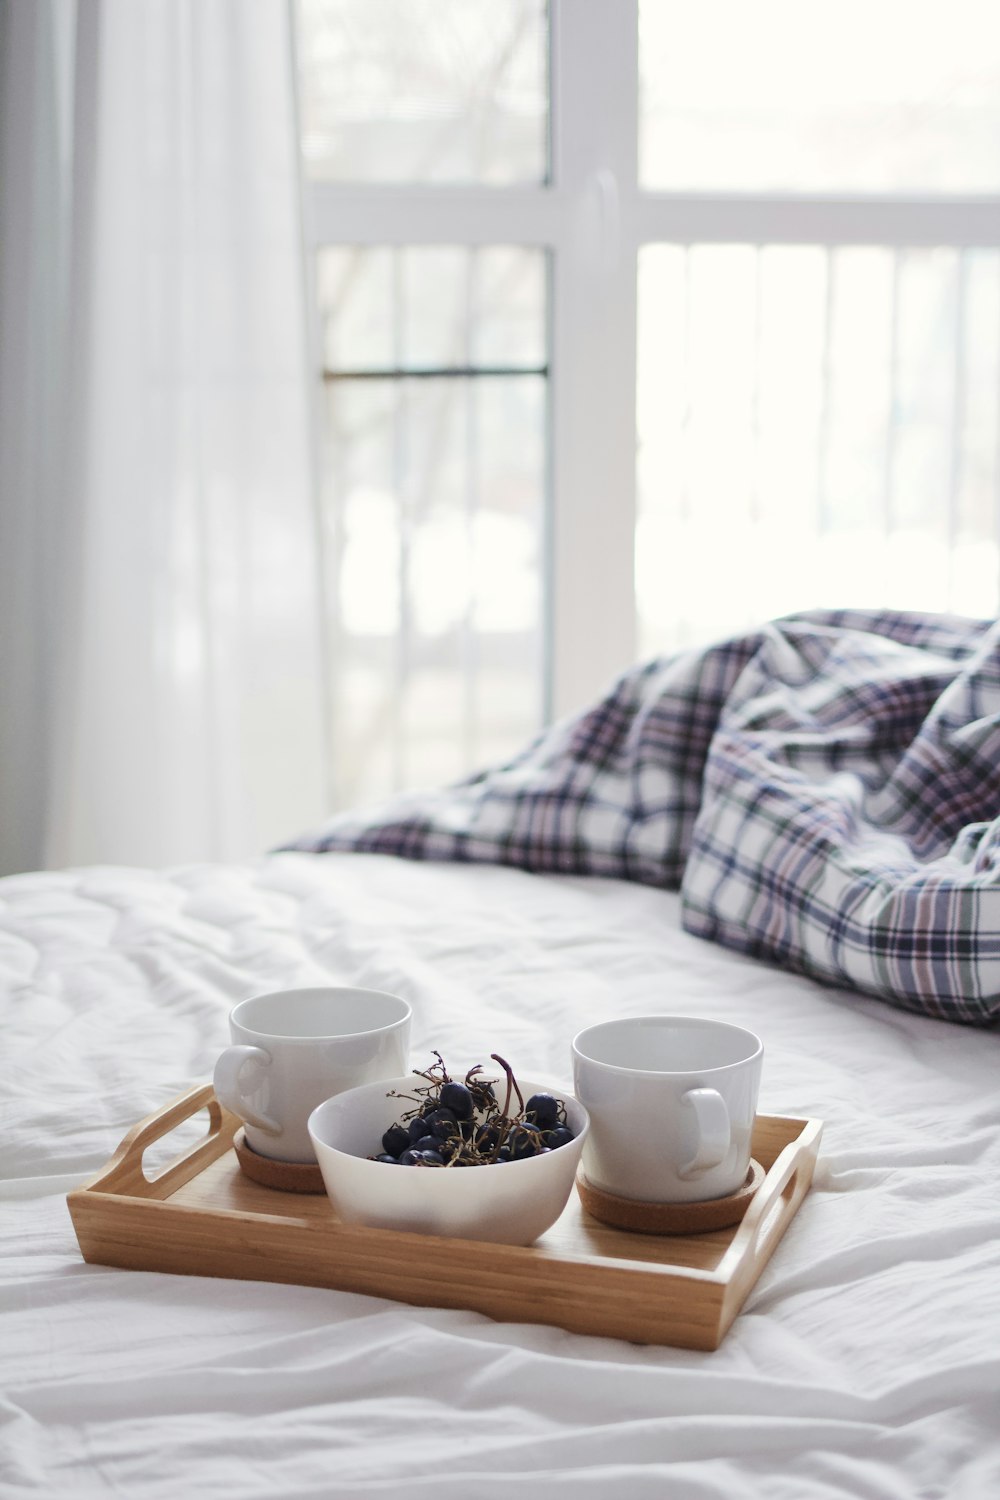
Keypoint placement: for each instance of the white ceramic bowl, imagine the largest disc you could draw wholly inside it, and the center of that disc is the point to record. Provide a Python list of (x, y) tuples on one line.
[(509, 1203)]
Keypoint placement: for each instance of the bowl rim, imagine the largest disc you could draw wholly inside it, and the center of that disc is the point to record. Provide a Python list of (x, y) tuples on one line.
[(536, 1086)]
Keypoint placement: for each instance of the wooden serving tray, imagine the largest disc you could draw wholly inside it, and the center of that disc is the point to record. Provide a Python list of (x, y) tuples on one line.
[(201, 1216)]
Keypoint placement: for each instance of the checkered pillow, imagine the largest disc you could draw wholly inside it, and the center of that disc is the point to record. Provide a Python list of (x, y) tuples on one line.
[(825, 791)]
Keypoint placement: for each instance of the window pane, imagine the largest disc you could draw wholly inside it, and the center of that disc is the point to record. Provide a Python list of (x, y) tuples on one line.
[(817, 427), (385, 309), (418, 91), (887, 97), (434, 510)]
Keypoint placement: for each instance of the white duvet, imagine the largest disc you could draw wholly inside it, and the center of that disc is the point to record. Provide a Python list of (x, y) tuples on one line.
[(866, 1362)]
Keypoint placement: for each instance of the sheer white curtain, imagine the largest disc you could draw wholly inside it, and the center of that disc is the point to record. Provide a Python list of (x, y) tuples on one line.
[(162, 676)]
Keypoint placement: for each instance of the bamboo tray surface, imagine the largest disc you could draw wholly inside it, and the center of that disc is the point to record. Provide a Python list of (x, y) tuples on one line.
[(200, 1215)]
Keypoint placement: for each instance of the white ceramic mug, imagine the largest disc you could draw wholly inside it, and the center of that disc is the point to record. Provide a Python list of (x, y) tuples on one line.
[(672, 1101), (295, 1048)]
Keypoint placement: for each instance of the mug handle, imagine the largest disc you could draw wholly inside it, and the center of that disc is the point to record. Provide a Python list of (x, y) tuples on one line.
[(229, 1086), (713, 1131)]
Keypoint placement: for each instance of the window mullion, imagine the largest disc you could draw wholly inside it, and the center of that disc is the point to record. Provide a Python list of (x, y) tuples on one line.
[(591, 563), (416, 215), (817, 219)]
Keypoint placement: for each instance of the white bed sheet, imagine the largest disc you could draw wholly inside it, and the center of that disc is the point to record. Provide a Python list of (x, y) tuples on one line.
[(866, 1362)]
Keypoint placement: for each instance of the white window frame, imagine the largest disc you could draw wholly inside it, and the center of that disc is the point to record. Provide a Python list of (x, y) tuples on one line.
[(593, 219)]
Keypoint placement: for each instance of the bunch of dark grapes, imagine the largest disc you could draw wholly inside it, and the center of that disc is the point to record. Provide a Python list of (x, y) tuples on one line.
[(463, 1124)]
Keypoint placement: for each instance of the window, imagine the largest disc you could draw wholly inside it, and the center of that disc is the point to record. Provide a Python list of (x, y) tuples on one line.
[(435, 368), (635, 324), (819, 311)]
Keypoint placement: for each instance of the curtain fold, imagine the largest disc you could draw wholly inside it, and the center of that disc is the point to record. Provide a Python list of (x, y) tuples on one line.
[(162, 678)]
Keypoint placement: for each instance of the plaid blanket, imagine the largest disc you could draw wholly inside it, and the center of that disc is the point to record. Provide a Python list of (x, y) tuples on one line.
[(825, 791)]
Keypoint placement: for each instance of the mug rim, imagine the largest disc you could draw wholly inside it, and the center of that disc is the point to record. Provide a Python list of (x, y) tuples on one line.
[(705, 1022), (317, 1036)]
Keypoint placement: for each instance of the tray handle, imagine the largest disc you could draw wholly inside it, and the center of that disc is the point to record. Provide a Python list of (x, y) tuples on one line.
[(771, 1211), (124, 1172)]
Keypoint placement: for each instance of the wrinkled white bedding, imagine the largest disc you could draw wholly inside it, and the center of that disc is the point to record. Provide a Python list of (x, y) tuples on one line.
[(866, 1362)]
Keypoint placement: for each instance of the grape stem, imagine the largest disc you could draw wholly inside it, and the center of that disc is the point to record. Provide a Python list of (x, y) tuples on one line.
[(511, 1082)]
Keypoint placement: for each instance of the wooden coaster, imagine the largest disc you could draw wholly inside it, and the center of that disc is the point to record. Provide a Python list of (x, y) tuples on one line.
[(286, 1176), (670, 1218)]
